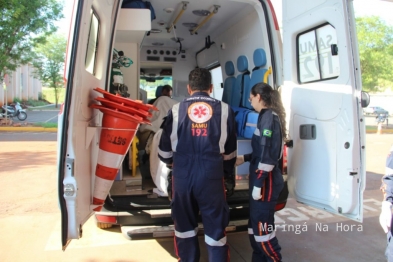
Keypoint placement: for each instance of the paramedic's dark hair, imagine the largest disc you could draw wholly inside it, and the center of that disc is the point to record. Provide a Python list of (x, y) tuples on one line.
[(199, 79), (272, 100), (167, 88)]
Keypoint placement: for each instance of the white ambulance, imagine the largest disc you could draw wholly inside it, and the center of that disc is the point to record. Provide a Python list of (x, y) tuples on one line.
[(315, 67)]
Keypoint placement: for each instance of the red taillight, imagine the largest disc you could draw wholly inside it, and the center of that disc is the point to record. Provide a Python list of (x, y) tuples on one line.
[(106, 219)]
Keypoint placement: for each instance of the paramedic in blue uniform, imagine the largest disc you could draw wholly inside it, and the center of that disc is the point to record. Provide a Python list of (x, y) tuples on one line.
[(385, 217), (199, 137), (265, 179)]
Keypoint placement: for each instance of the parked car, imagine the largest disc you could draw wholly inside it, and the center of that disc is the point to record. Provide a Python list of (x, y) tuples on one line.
[(375, 110)]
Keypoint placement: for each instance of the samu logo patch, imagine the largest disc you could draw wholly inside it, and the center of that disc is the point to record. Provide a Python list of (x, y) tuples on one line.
[(200, 112), (267, 132)]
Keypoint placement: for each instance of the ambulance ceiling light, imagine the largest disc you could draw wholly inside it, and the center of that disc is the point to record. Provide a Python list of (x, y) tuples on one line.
[(190, 25), (201, 12), (155, 31), (169, 10)]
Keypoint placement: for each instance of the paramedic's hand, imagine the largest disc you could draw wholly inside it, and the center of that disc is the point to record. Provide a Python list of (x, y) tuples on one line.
[(239, 160), (256, 193), (385, 217)]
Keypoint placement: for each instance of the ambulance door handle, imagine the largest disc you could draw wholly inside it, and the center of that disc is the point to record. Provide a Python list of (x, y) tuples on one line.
[(308, 132), (334, 49)]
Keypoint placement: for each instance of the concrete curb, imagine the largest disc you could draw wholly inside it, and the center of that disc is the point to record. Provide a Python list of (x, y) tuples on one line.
[(27, 129)]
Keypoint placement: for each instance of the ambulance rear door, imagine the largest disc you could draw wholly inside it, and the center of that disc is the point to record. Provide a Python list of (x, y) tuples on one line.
[(322, 97), (89, 51)]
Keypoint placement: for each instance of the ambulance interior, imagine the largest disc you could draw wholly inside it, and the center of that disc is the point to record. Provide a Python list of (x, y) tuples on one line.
[(230, 38)]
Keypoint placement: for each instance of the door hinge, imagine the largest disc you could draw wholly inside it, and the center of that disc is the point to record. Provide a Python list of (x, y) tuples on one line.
[(70, 166)]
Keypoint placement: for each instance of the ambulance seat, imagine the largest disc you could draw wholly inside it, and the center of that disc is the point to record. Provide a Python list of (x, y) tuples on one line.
[(242, 80), (158, 94), (229, 82), (158, 91), (257, 74)]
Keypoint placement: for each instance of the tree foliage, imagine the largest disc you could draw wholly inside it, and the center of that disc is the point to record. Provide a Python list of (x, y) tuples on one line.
[(23, 25), (49, 62), (375, 39)]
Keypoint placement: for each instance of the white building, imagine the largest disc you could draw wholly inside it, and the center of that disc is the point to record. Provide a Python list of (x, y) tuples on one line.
[(21, 85)]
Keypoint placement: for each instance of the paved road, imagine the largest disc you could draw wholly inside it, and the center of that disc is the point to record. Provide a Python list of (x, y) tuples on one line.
[(31, 220), (40, 116), (28, 136)]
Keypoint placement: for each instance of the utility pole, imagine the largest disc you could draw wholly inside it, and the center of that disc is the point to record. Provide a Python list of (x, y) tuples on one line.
[(5, 79)]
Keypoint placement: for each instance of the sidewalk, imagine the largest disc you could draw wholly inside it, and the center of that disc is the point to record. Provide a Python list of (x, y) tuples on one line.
[(27, 129)]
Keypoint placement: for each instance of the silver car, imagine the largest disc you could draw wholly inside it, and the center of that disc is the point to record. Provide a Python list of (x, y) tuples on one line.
[(375, 110)]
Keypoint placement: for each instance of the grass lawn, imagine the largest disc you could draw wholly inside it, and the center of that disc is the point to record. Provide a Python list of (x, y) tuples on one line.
[(46, 125), (374, 129), (49, 94)]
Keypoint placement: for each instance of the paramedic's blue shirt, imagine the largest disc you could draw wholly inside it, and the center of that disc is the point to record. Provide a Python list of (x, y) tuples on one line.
[(199, 126), (268, 144)]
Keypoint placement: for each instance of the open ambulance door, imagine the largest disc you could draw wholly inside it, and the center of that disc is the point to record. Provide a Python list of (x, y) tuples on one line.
[(322, 96), (88, 52)]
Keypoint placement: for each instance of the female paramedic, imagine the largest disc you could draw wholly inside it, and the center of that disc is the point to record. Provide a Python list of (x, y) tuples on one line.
[(265, 180)]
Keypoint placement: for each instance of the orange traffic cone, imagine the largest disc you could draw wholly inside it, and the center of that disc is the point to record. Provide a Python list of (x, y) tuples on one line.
[(120, 122), (118, 131)]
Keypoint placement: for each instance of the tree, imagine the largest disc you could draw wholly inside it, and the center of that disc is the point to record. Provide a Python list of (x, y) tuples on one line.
[(49, 62), (375, 39), (23, 25)]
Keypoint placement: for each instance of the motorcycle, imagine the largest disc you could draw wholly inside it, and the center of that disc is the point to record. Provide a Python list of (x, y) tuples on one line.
[(380, 118), (14, 110)]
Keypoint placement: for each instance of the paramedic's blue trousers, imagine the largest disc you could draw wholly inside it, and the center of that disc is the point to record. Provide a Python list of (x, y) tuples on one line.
[(193, 192)]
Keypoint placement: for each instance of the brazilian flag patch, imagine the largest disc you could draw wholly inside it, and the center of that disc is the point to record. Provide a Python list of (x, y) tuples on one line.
[(267, 132)]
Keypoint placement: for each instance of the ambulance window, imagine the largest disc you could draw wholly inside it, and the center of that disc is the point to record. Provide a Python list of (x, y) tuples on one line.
[(92, 43), (217, 82), (317, 54), (150, 84)]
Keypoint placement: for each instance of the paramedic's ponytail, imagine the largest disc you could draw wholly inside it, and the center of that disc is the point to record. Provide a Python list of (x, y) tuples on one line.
[(272, 100)]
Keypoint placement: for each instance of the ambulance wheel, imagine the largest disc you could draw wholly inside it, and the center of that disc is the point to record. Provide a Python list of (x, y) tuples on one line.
[(104, 225)]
